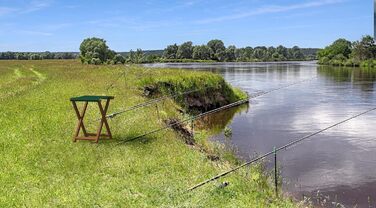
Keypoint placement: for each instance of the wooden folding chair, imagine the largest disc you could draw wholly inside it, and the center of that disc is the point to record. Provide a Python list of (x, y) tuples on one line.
[(80, 116)]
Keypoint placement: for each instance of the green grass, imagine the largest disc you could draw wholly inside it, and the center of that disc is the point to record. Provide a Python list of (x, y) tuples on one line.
[(42, 167), (213, 90)]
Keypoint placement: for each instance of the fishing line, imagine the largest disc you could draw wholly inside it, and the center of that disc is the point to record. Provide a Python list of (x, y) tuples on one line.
[(278, 149), (214, 110), (156, 100)]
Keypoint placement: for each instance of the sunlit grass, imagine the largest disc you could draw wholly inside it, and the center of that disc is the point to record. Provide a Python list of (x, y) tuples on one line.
[(42, 167)]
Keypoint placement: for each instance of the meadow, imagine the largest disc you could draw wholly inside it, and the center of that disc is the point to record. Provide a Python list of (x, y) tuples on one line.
[(42, 167)]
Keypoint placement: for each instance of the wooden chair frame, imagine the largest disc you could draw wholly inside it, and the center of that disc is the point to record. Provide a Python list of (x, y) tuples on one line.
[(80, 124)]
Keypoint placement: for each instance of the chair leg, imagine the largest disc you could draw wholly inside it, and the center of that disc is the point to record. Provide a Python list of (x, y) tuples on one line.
[(105, 119), (80, 117), (101, 122)]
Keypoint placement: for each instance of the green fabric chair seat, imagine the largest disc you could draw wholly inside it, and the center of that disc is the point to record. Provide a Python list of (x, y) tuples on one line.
[(90, 98)]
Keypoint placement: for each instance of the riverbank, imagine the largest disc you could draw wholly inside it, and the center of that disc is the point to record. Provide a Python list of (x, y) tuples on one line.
[(43, 167), (348, 63)]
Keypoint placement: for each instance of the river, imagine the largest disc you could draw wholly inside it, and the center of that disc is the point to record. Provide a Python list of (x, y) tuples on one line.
[(338, 165)]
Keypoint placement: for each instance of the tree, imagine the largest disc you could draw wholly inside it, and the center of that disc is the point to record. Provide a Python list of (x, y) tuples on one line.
[(364, 49), (118, 59), (8, 55), (221, 55), (276, 56), (135, 57), (170, 51), (48, 55), (295, 53), (218, 48), (151, 58), (22, 56), (35, 56), (201, 52), (282, 51), (139, 55), (230, 53), (340, 46), (94, 49), (260, 53), (248, 52), (271, 54), (185, 50)]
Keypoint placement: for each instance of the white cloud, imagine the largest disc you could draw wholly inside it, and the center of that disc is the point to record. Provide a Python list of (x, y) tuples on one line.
[(358, 132), (269, 9)]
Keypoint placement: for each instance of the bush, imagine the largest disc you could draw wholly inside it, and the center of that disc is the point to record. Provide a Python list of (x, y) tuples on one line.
[(351, 63), (95, 61), (324, 60), (118, 59)]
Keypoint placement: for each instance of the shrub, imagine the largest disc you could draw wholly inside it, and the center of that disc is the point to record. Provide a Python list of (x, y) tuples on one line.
[(95, 61), (118, 59)]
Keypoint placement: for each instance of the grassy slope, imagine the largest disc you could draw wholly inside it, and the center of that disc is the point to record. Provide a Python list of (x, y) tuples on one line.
[(41, 166)]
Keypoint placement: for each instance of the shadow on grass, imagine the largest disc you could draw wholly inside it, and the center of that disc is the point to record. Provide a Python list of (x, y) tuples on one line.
[(133, 139)]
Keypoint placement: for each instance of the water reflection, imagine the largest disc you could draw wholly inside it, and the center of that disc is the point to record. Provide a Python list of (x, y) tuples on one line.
[(215, 123), (340, 163)]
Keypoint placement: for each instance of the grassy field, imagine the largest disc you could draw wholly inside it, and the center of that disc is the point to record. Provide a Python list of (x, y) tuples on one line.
[(42, 167)]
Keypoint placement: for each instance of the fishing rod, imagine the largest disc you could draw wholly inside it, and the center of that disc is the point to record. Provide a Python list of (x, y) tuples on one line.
[(279, 149), (188, 119), (214, 110), (156, 100)]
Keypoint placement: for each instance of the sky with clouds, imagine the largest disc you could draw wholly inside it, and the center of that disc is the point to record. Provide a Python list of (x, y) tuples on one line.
[(57, 25)]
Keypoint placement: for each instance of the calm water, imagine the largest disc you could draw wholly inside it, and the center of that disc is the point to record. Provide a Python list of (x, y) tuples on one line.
[(339, 163)]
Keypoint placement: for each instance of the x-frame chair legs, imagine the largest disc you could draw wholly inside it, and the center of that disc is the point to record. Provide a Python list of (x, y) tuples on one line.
[(80, 123)]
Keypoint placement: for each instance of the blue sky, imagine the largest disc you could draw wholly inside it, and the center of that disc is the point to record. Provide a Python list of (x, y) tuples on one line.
[(57, 25)]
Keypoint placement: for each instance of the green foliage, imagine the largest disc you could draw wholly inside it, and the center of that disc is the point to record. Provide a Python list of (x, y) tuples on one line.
[(260, 53), (185, 50), (227, 132), (211, 85), (135, 57), (217, 49), (344, 53), (36, 55), (119, 59), (230, 53), (364, 49), (95, 51), (170, 52), (296, 54), (201, 52), (244, 54), (340, 46)]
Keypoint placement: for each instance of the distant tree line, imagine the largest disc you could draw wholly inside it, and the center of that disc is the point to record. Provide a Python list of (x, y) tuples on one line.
[(95, 51), (345, 53), (215, 50), (36, 55)]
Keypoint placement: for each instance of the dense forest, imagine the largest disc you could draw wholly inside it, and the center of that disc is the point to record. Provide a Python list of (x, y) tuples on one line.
[(345, 53)]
